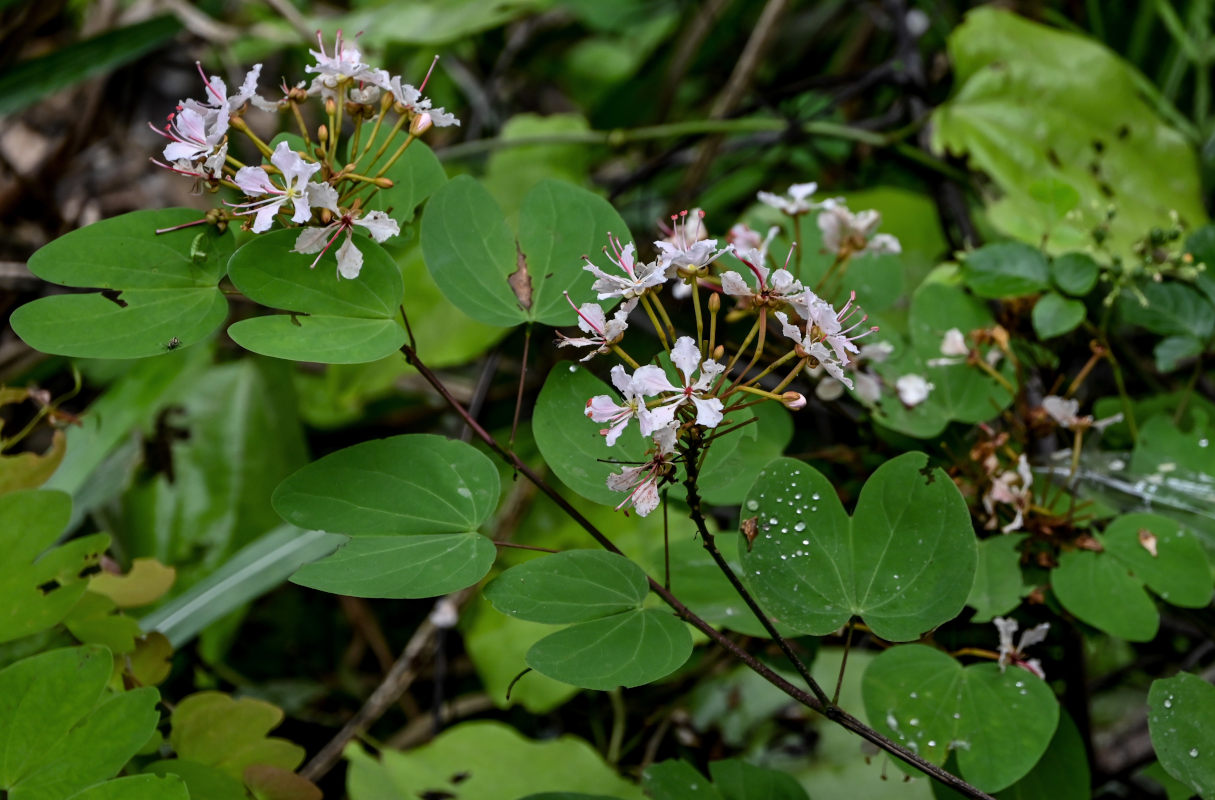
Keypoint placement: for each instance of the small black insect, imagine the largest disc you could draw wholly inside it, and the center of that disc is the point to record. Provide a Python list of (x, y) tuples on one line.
[(173, 344)]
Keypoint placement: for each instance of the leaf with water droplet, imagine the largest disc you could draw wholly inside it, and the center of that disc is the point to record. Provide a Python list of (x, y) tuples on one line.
[(1181, 721)]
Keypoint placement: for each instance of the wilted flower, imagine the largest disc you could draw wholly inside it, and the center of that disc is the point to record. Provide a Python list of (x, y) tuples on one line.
[(637, 277), (1063, 411), (1010, 488), (652, 380), (641, 482), (602, 332), (1016, 655), (254, 182), (913, 389), (848, 234)]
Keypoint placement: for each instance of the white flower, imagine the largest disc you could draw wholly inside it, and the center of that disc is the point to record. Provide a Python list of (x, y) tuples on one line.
[(641, 482), (845, 233), (344, 66), (782, 287), (1009, 654), (688, 249), (1010, 488), (796, 201), (254, 182), (602, 332), (652, 380), (604, 408), (636, 280), (913, 389), (1063, 411), (411, 100), (319, 240), (825, 338)]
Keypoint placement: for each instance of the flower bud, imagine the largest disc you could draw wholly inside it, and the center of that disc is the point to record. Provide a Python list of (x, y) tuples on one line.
[(330, 106), (719, 352), (714, 303), (794, 401), (322, 133), (384, 183), (420, 124)]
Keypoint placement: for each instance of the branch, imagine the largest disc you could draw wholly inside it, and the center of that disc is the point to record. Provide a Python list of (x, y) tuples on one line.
[(831, 712)]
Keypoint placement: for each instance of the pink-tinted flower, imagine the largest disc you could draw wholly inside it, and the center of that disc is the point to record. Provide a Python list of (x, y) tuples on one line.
[(1010, 488), (604, 408), (775, 287), (411, 100), (652, 380), (1010, 654), (254, 182), (642, 482), (319, 240), (845, 233), (687, 246), (345, 66), (637, 278), (825, 338), (601, 332)]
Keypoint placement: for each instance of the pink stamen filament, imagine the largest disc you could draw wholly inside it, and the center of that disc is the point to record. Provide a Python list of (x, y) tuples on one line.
[(578, 311), (432, 69), (207, 82)]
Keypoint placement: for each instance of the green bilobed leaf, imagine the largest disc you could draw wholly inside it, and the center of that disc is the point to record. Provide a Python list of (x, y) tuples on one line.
[(1171, 351), (960, 392), (417, 483), (998, 723), (268, 272), (904, 562), (627, 649), (1074, 273), (1006, 269), (559, 224), (1061, 774), (1024, 110), (415, 175), (1179, 572), (1181, 721), (512, 171), (38, 589), (166, 289), (998, 585), (1170, 309), (509, 766), (90, 326), (571, 443), (678, 780), (212, 728), (738, 780), (471, 251), (137, 787), (1055, 315), (573, 586), (41, 699), (325, 340), (401, 566), (26, 82), (94, 750), (1100, 591)]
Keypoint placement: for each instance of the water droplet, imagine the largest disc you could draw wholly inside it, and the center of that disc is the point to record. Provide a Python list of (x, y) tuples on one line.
[(815, 496), (1193, 752), (464, 492), (914, 695), (773, 520), (1168, 703), (956, 715), (756, 572), (805, 541), (1019, 684), (573, 367), (913, 721), (1203, 442), (814, 508), (932, 743), (752, 505), (799, 527), (896, 577)]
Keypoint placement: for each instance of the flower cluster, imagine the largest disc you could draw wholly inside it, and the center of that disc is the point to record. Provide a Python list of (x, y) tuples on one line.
[(676, 405), (308, 185)]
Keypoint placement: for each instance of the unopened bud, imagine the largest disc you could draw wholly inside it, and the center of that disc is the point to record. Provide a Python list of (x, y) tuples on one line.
[(794, 401), (384, 183), (330, 106), (714, 303), (322, 133), (420, 124), (718, 352)]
